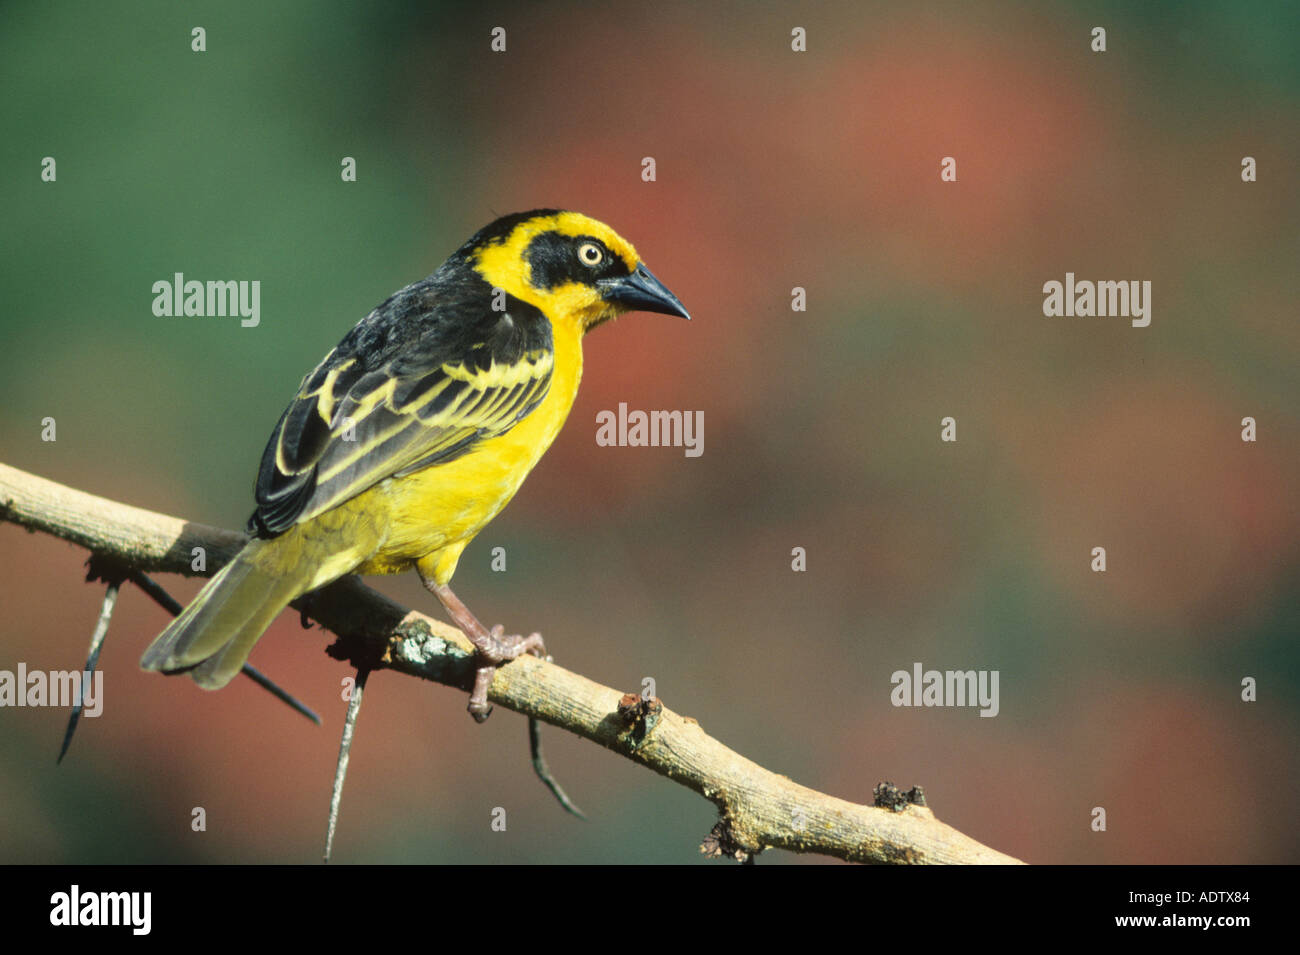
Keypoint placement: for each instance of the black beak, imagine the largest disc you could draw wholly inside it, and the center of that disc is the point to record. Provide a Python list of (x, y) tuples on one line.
[(641, 291)]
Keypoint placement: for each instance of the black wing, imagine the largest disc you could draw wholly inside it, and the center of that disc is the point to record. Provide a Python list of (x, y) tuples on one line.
[(420, 380)]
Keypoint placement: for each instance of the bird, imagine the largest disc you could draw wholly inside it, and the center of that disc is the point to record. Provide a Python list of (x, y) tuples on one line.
[(415, 431)]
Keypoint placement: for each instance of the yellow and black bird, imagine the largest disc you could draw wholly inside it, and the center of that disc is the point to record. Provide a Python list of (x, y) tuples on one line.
[(416, 430)]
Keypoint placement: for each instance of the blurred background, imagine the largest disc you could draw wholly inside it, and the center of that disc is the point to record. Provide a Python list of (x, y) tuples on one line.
[(775, 169)]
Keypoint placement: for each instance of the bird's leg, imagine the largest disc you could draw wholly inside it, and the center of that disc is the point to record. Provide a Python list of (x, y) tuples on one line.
[(494, 646)]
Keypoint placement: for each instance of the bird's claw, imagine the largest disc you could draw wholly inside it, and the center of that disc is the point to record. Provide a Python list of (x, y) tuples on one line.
[(501, 648)]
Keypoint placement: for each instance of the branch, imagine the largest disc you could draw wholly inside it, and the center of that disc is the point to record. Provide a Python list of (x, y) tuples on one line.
[(759, 809)]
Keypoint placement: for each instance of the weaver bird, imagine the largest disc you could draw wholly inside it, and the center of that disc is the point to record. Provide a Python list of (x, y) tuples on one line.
[(416, 430)]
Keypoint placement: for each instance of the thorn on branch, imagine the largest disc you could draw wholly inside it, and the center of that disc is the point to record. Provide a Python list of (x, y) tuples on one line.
[(544, 772), (266, 683), (156, 592), (345, 752), (98, 570)]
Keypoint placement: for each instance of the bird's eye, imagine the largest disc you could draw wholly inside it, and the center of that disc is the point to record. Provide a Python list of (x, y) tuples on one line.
[(590, 254)]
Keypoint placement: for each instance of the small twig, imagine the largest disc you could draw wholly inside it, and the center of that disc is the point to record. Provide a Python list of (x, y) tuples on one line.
[(544, 772), (345, 750), (96, 644)]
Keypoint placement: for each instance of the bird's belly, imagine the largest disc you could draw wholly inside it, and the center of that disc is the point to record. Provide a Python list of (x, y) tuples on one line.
[(443, 505)]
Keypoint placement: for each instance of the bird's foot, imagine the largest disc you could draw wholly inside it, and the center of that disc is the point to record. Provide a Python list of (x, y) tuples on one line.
[(496, 649)]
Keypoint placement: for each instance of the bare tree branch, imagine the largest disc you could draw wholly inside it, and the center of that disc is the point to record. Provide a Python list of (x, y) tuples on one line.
[(759, 809)]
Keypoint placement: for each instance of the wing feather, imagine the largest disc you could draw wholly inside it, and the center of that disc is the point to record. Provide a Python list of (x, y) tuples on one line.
[(421, 380)]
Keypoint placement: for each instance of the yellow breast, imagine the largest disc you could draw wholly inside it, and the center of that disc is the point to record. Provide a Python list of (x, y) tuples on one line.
[(432, 514)]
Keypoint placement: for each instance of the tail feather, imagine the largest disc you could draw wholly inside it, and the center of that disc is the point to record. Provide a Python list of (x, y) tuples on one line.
[(214, 635)]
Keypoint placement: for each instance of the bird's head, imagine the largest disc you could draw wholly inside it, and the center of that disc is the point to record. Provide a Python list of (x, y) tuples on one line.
[(568, 265)]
